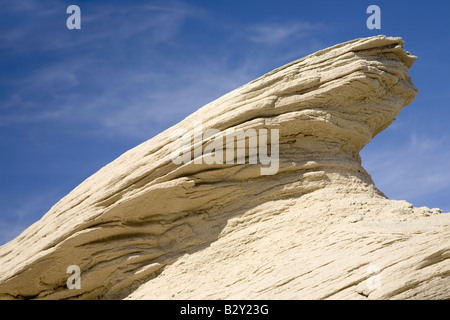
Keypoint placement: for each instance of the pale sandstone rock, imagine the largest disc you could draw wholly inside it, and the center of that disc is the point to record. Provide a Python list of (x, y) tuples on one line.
[(145, 228)]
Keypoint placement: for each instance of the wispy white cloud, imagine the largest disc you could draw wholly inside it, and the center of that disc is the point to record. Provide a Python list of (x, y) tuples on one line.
[(276, 33), (46, 31), (84, 86), (274, 43), (28, 6), (176, 98), (125, 101), (130, 97)]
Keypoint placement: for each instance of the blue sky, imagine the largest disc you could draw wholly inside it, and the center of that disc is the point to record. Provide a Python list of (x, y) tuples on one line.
[(72, 101)]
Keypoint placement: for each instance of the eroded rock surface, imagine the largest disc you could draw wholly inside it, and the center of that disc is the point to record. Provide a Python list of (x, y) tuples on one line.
[(144, 227)]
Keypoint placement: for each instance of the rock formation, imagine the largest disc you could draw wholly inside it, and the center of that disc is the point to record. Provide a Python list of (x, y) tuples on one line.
[(144, 227)]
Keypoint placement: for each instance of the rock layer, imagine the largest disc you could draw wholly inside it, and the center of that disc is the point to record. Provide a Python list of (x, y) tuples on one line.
[(144, 227)]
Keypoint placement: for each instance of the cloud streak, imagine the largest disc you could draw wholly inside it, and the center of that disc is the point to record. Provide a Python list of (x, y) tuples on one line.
[(276, 33), (131, 91), (41, 27), (89, 74)]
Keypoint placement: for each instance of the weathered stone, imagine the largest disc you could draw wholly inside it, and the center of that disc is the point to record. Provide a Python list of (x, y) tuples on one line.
[(143, 227)]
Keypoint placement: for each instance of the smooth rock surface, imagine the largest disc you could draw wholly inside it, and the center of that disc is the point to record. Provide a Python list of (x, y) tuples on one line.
[(144, 227)]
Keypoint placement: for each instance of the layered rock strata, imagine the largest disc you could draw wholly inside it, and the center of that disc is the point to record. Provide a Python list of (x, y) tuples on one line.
[(145, 227)]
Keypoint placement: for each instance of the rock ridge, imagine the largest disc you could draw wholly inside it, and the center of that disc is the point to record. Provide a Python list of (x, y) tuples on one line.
[(144, 227)]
